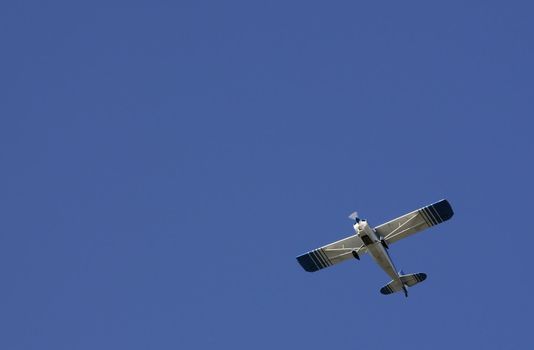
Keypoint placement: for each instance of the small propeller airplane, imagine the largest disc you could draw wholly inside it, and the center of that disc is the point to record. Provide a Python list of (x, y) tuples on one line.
[(376, 241)]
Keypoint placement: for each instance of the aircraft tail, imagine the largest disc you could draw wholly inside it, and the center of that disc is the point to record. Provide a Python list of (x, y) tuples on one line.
[(409, 280)]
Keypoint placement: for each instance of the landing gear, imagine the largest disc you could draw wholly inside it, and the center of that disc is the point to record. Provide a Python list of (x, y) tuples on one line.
[(384, 244), (405, 291), (355, 255)]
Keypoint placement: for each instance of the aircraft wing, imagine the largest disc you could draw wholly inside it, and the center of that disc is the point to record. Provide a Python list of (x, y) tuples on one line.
[(415, 221), (331, 254)]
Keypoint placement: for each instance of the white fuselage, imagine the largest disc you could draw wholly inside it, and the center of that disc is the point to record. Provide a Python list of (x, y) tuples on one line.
[(376, 249)]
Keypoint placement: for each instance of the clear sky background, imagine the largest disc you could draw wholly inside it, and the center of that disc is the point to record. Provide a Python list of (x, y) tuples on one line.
[(164, 162)]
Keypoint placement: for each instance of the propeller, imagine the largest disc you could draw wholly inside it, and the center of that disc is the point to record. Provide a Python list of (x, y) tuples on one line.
[(354, 216)]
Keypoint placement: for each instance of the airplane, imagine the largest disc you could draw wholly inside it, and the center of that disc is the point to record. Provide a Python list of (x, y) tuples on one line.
[(376, 242)]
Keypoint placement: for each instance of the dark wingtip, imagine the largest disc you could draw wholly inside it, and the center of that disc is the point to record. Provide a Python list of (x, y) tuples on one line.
[(444, 209), (307, 263)]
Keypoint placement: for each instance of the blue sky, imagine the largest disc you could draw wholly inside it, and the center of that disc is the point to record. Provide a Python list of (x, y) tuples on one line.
[(163, 163)]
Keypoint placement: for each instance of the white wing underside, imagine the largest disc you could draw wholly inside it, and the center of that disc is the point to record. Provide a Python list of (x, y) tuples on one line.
[(332, 253), (342, 249), (401, 227)]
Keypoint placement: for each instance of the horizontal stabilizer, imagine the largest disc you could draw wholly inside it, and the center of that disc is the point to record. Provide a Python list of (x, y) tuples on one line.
[(391, 287), (412, 279), (408, 280)]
